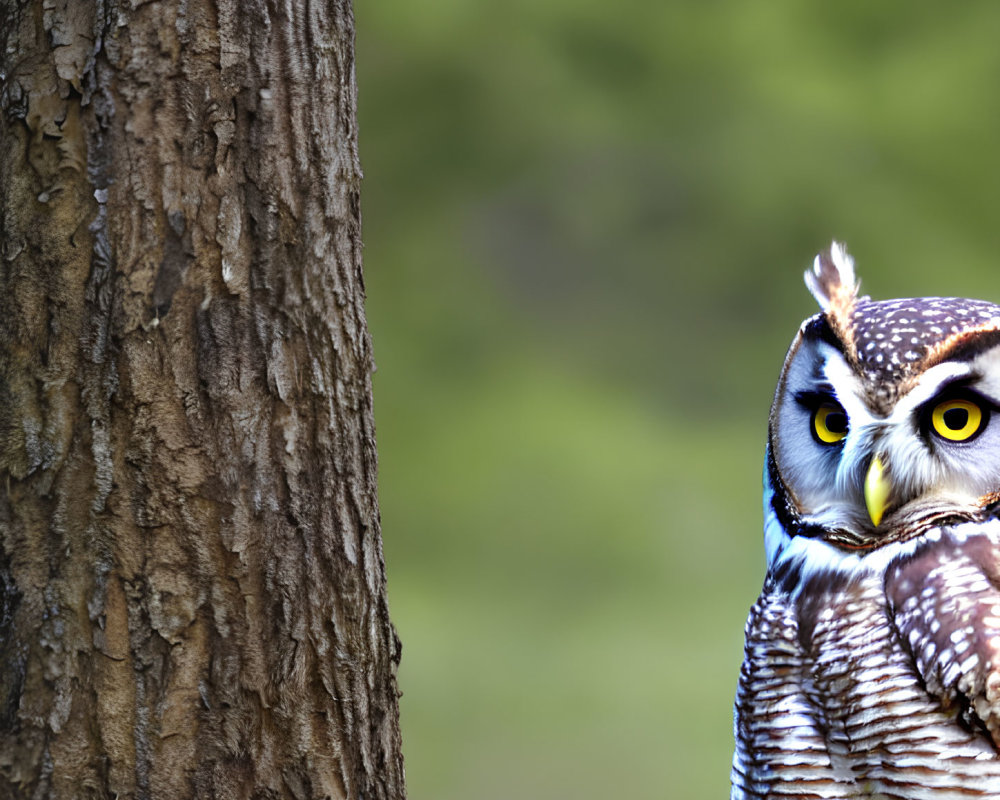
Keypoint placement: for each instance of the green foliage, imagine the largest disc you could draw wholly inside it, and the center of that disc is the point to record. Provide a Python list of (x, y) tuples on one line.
[(585, 228)]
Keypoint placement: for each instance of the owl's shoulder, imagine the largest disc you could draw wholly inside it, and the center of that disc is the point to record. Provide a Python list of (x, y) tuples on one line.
[(944, 600)]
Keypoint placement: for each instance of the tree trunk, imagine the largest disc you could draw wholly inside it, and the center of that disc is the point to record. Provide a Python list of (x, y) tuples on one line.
[(192, 590)]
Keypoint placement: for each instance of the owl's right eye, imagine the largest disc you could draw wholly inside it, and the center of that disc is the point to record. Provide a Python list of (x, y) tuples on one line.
[(829, 423)]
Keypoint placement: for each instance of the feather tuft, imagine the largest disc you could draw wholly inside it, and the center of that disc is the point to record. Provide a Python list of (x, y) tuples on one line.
[(831, 279), (835, 288)]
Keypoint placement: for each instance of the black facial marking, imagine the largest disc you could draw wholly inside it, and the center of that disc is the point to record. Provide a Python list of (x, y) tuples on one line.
[(781, 503), (812, 399), (817, 329)]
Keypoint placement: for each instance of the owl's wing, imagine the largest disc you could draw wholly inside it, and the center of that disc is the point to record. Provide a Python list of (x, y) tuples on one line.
[(945, 602)]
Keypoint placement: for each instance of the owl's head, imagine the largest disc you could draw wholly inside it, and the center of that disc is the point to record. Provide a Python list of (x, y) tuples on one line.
[(886, 418)]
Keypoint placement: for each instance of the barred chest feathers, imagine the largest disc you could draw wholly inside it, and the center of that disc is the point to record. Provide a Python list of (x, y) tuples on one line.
[(872, 661)]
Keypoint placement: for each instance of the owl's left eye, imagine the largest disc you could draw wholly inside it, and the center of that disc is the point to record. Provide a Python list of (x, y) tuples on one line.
[(958, 419), (829, 423)]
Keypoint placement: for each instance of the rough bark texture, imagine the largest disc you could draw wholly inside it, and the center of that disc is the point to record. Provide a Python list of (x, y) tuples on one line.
[(192, 592)]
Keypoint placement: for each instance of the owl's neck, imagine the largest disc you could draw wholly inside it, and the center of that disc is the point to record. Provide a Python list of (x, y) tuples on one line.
[(795, 559)]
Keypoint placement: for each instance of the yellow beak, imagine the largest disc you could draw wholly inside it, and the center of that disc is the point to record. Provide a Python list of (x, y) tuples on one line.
[(877, 489)]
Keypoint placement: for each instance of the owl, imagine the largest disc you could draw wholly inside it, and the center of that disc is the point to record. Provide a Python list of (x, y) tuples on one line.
[(872, 658)]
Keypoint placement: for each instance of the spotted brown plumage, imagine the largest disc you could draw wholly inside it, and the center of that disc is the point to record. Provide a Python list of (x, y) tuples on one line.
[(853, 686), (872, 659), (895, 340), (893, 337)]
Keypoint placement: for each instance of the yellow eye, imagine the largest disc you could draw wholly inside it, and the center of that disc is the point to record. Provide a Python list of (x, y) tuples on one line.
[(957, 420), (829, 423)]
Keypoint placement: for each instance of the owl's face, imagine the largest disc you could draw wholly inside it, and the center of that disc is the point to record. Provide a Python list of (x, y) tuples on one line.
[(886, 418)]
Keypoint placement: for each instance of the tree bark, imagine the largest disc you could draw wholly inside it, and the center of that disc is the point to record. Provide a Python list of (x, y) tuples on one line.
[(192, 589)]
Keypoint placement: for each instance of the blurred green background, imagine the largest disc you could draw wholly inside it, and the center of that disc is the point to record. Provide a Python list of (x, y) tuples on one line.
[(585, 228)]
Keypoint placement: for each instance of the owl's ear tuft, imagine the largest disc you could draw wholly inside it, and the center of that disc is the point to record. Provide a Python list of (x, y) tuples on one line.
[(831, 280)]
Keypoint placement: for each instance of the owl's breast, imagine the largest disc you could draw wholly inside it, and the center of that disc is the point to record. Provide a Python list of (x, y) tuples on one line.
[(848, 690)]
